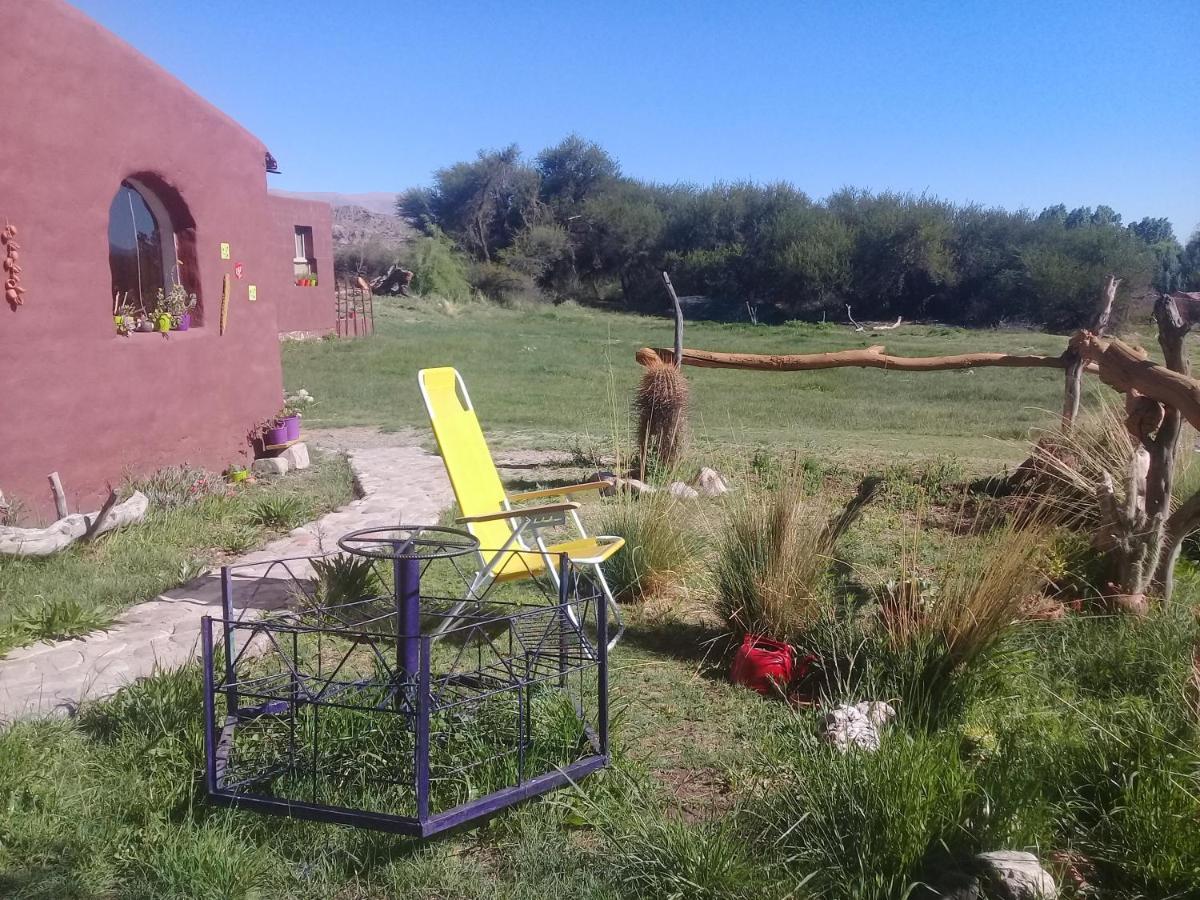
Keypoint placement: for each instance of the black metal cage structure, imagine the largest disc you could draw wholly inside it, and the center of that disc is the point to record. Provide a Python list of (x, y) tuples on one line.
[(374, 698)]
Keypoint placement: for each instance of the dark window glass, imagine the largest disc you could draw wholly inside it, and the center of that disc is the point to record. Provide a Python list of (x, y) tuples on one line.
[(135, 250)]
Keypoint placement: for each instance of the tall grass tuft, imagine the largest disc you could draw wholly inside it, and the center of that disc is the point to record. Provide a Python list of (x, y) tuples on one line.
[(935, 632), (1071, 466), (280, 511), (773, 557), (864, 825), (57, 618), (662, 545)]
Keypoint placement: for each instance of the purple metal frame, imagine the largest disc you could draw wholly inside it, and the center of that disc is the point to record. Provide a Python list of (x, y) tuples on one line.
[(527, 654)]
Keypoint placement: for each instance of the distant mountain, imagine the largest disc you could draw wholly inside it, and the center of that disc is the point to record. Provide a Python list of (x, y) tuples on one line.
[(382, 202), (356, 225)]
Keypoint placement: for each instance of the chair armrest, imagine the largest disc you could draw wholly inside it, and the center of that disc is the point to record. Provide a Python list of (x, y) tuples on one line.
[(525, 513), (559, 491)]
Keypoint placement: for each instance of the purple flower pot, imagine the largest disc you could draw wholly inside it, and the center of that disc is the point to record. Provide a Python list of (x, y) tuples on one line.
[(292, 424), (276, 435), (185, 322)]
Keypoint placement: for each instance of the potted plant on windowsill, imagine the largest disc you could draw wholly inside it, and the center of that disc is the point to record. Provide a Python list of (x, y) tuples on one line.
[(123, 319), (176, 305)]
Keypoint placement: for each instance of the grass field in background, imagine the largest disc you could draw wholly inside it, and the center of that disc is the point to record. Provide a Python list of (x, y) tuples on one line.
[(543, 375)]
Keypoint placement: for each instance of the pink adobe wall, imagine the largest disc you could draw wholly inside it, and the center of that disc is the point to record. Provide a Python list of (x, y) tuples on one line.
[(309, 309), (81, 111)]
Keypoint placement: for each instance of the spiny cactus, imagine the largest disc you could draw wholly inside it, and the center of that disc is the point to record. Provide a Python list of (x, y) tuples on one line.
[(661, 408)]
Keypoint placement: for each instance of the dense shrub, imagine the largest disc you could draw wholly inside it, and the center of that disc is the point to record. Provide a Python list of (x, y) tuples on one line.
[(662, 545), (772, 561), (506, 286), (437, 267)]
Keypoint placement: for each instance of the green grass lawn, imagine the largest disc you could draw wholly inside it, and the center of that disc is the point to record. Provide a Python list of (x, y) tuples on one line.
[(546, 375), (195, 520), (1076, 735), (1073, 738)]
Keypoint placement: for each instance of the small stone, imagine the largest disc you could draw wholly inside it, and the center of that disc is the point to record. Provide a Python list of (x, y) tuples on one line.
[(710, 483), (274, 465), (847, 727), (878, 712), (683, 491), (1016, 875), (296, 456)]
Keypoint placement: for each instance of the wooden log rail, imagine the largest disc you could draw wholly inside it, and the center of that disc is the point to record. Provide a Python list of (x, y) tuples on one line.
[(873, 357), (1125, 368)]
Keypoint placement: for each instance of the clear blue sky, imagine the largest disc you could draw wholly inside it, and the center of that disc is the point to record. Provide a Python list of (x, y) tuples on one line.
[(1008, 103)]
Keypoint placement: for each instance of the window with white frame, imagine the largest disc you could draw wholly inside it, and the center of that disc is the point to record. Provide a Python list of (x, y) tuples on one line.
[(304, 262)]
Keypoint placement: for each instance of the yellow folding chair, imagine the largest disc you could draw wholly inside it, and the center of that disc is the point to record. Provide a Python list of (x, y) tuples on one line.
[(487, 511)]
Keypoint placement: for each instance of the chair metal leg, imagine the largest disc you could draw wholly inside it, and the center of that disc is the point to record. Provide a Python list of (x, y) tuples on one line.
[(613, 607), (609, 601), (452, 617)]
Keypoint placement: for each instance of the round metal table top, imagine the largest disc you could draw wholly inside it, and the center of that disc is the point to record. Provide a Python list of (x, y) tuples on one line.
[(409, 542)]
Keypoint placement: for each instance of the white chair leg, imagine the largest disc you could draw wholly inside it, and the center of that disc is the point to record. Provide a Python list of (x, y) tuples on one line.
[(613, 608)]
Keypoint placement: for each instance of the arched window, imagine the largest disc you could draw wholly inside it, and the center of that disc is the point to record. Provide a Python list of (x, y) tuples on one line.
[(150, 242)]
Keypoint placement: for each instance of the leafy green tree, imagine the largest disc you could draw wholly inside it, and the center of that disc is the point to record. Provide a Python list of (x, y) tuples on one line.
[(572, 225), (621, 231), (1189, 264), (1153, 231), (438, 267), (1053, 215), (539, 251), (573, 170), (482, 204)]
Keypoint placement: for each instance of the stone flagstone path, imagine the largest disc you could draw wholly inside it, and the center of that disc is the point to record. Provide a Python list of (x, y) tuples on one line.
[(400, 484)]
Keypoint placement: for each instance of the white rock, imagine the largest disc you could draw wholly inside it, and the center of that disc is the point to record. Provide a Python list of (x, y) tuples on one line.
[(878, 713), (275, 465), (296, 456), (710, 483), (1016, 875), (848, 726), (683, 491)]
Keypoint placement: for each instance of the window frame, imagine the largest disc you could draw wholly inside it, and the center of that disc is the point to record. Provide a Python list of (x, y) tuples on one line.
[(304, 263)]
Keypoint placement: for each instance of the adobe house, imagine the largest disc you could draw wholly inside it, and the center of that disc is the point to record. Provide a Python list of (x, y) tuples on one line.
[(121, 182)]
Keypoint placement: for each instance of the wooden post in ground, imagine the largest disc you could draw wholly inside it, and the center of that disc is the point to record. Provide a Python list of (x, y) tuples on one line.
[(60, 498), (1074, 379)]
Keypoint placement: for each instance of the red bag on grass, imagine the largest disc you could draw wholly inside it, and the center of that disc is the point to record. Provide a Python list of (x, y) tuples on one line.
[(763, 665)]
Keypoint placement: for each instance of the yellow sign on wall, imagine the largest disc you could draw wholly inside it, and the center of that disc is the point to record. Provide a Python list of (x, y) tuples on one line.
[(224, 251), (253, 292)]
